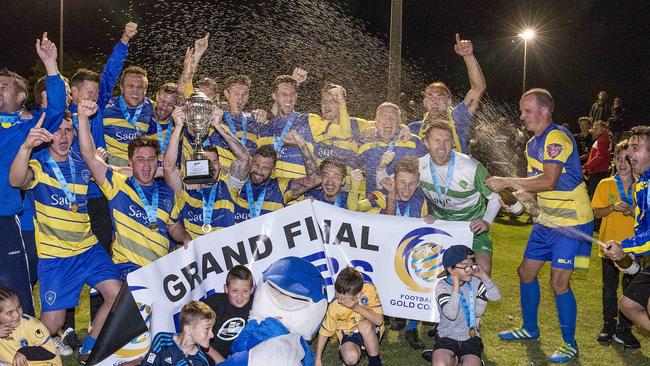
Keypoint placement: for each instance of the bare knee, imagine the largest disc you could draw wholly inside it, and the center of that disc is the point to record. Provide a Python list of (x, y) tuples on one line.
[(366, 327), (629, 306), (525, 274), (350, 353)]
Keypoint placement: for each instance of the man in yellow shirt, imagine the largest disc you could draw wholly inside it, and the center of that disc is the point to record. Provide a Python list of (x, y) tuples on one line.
[(613, 202)]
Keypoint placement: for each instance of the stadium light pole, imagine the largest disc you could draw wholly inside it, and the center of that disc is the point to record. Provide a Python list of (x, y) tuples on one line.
[(395, 51), (61, 36), (526, 35)]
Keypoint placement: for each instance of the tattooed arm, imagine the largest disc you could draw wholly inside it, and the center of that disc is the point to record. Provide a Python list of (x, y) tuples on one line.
[(313, 178)]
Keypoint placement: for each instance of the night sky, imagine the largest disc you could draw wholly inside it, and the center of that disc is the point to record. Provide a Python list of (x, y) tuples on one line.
[(582, 46)]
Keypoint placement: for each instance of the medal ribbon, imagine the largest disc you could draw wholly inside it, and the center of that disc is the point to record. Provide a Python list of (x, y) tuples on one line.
[(337, 201), (407, 212), (71, 196), (469, 309), (244, 123), (168, 135), (8, 119), (627, 198), (132, 119), (208, 204), (151, 209), (278, 142), (391, 146), (450, 174), (254, 207)]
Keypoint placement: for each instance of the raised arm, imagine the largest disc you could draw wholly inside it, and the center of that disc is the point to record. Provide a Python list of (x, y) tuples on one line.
[(240, 168), (56, 96), (20, 175), (113, 68), (172, 175), (95, 163), (313, 179), (465, 49)]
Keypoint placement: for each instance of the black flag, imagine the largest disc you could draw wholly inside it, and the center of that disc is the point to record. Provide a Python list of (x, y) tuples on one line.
[(122, 324)]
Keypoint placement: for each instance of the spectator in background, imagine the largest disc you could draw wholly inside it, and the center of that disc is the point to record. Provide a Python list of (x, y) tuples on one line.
[(584, 138), (615, 121), (600, 108), (597, 166)]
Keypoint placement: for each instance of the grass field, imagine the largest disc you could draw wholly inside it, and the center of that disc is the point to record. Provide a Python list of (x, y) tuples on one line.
[(509, 246)]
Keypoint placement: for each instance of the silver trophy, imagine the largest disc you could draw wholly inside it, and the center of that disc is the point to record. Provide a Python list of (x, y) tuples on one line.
[(198, 117)]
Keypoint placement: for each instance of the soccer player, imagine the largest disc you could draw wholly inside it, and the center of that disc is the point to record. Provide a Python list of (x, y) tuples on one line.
[(262, 194), (128, 116), (290, 163), (356, 317), (333, 172), (164, 104), (554, 175), (143, 210), (387, 143), (184, 349), (455, 185), (69, 253), (15, 124), (232, 308), (635, 303), (613, 201), (208, 208), (23, 339), (438, 103)]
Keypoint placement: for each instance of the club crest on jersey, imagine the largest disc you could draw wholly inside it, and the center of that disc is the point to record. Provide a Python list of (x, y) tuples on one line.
[(553, 150), (50, 297), (363, 300)]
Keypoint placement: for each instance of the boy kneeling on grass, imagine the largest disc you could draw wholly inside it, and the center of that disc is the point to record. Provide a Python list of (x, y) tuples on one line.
[(462, 298), (356, 317), (169, 349)]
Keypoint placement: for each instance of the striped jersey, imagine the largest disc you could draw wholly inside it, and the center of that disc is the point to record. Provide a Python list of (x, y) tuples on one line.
[(416, 206), (460, 119), (290, 163), (118, 132), (568, 204), (226, 157), (639, 244), (164, 351), (341, 199), (462, 198), (341, 320), (135, 241), (58, 230), (370, 153), (191, 202), (338, 140), (277, 194)]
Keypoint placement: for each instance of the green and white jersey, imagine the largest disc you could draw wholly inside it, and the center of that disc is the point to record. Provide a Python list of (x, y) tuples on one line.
[(464, 200)]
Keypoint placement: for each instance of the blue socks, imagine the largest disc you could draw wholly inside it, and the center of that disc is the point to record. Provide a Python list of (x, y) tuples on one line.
[(567, 312), (88, 343), (529, 298), (412, 324)]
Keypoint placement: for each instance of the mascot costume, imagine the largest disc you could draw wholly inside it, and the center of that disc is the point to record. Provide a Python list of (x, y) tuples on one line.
[(288, 308)]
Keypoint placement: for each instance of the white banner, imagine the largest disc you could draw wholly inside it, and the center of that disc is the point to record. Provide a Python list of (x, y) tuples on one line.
[(401, 256)]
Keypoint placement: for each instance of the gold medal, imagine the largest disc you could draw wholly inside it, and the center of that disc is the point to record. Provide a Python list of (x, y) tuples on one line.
[(206, 228), (74, 207), (153, 226), (472, 332)]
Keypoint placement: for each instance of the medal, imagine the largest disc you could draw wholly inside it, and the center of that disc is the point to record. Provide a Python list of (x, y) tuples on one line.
[(208, 207), (472, 332), (150, 209), (153, 226), (65, 187), (206, 228), (74, 207), (279, 141)]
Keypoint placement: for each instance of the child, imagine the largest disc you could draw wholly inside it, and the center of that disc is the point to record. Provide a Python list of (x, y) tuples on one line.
[(24, 340), (232, 308), (168, 349), (462, 298), (356, 317)]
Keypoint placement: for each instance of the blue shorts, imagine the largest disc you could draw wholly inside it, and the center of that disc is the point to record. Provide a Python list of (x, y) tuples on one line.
[(63, 278), (563, 250), (123, 269), (356, 338)]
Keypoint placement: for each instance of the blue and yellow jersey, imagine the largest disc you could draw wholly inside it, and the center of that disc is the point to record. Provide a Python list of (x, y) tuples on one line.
[(166, 129), (370, 153), (340, 140), (341, 199), (341, 320), (190, 203), (639, 245), (118, 133), (459, 118), (135, 241), (416, 206), (278, 195), (290, 163), (226, 157), (568, 204), (30, 333), (59, 231)]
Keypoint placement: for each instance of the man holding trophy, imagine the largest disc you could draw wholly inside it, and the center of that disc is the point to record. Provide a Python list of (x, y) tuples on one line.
[(210, 206)]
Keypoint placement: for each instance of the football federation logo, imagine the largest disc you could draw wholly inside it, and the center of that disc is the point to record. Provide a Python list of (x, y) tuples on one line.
[(418, 259), (553, 150)]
